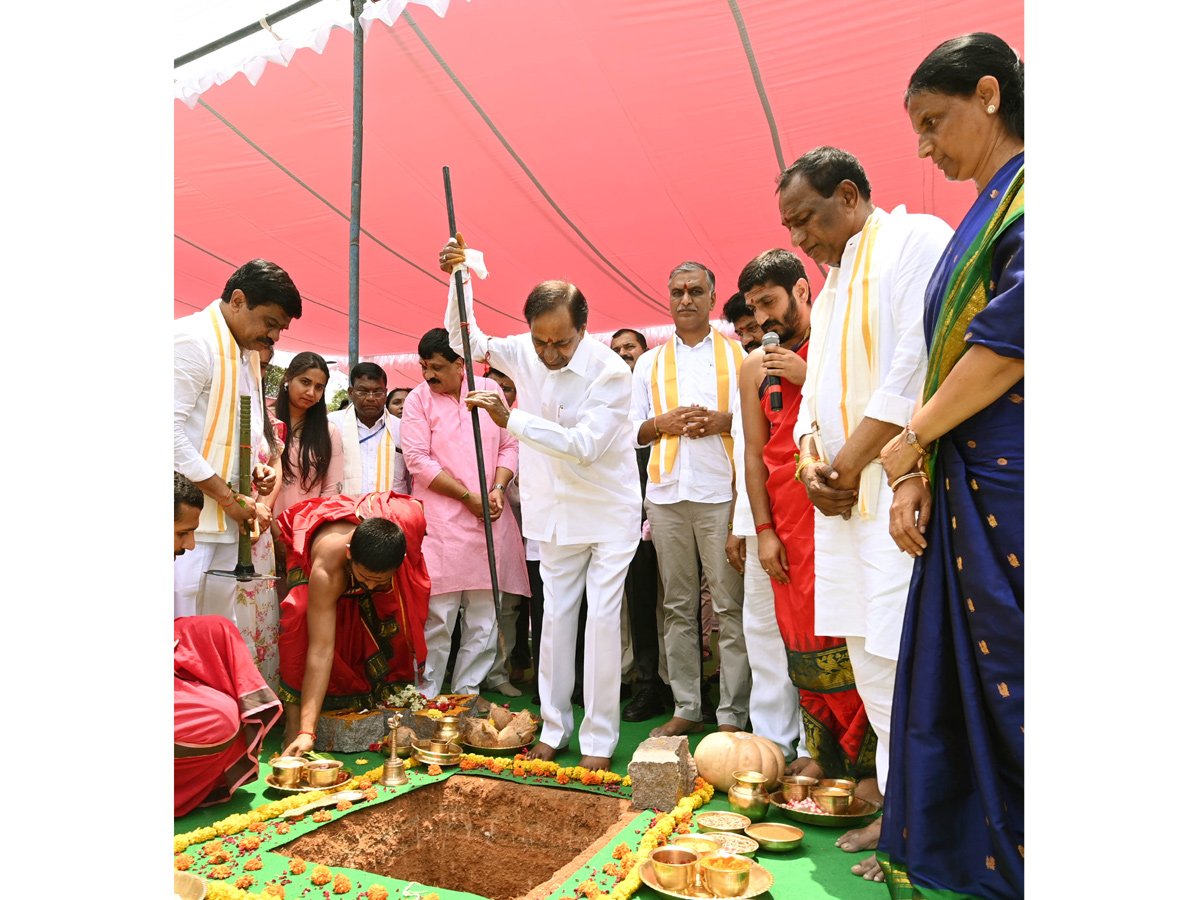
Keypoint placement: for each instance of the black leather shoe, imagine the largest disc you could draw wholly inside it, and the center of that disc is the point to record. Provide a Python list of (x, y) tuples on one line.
[(626, 691), (646, 704)]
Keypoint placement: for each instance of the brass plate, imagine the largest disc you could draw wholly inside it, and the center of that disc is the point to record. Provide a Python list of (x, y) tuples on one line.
[(760, 882), (860, 813), (700, 818), (776, 846), (420, 750), (343, 777)]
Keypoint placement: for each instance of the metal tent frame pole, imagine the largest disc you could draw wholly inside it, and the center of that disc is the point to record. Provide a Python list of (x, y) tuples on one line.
[(356, 7)]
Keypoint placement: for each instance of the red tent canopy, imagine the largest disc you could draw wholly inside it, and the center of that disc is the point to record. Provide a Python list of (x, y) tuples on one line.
[(641, 122)]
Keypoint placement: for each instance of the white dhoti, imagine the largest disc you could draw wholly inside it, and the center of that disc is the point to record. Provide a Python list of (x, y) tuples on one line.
[(476, 649), (197, 594), (774, 703), (861, 591), (566, 572)]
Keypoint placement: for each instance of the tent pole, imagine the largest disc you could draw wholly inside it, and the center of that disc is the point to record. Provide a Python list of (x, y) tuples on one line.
[(235, 36), (356, 7)]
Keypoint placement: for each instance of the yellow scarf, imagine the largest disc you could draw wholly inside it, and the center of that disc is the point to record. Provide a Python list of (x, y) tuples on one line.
[(664, 391), (220, 445), (858, 351)]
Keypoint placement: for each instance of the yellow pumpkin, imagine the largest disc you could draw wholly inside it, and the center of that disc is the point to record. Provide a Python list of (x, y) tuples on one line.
[(722, 753)]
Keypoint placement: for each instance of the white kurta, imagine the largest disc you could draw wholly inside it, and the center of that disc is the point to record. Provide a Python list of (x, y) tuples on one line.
[(861, 579)]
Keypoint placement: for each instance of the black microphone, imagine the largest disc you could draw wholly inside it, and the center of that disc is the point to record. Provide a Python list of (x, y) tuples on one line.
[(774, 390)]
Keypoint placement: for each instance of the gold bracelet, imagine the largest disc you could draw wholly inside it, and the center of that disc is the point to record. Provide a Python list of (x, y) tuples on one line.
[(905, 477)]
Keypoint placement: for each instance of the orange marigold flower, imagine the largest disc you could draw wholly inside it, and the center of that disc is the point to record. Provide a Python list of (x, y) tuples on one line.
[(589, 889), (435, 769), (377, 892), (283, 828), (372, 794), (621, 851), (213, 847), (321, 875), (220, 872), (244, 882), (344, 805), (252, 864), (611, 869), (468, 764), (562, 778), (221, 856), (184, 862), (249, 842), (519, 771), (341, 884), (297, 866), (322, 815), (258, 826), (364, 782), (273, 890)]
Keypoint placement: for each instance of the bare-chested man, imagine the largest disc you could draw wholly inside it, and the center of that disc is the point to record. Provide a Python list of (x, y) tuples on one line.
[(353, 622)]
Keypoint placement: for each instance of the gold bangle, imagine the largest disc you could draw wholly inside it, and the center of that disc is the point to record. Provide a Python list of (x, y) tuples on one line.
[(905, 477), (807, 461)]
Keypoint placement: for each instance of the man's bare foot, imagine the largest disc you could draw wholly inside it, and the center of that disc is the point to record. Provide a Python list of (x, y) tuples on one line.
[(869, 869), (542, 750), (868, 789), (676, 725), (596, 762), (728, 728), (859, 839), (803, 765)]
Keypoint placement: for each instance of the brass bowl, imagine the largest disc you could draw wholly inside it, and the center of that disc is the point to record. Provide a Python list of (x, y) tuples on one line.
[(447, 729), (288, 770), (702, 844), (675, 867), (846, 784), (323, 772), (835, 801), (735, 843), (723, 882), (796, 787), (770, 836), (721, 821)]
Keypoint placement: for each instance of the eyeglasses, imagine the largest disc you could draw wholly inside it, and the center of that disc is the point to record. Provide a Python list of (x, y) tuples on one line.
[(364, 392)]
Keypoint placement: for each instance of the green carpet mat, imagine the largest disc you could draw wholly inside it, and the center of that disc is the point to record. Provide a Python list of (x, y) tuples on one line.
[(816, 870)]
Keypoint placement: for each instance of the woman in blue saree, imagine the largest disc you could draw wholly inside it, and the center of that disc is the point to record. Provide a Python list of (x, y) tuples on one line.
[(954, 822)]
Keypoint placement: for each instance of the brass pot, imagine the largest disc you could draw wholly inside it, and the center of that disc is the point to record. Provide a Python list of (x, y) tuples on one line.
[(725, 882), (749, 795), (288, 770), (323, 772), (674, 867), (796, 787)]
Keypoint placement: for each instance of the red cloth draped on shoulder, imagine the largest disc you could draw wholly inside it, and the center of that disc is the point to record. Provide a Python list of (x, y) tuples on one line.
[(393, 624), (818, 666), (223, 710)]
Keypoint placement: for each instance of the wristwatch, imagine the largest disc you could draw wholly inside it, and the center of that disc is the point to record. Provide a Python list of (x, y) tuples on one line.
[(498, 487), (910, 438)]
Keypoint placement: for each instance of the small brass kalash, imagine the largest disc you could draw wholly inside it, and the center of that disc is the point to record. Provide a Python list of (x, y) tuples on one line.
[(393, 766)]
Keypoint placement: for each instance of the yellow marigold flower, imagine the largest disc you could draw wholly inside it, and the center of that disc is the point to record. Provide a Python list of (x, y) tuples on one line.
[(341, 884), (322, 815), (321, 875), (252, 864), (220, 872), (361, 762), (184, 862), (377, 892), (432, 895), (244, 882), (626, 781), (434, 714)]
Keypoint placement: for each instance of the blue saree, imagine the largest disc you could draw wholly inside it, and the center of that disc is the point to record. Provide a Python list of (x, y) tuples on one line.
[(954, 821)]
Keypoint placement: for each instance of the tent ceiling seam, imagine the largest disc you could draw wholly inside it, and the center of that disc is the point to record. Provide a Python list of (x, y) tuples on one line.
[(650, 301), (364, 231)]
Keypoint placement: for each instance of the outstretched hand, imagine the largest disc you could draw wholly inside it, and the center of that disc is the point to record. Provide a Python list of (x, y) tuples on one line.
[(301, 744)]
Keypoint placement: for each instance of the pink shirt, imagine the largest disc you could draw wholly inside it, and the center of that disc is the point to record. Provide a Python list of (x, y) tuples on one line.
[(330, 486), (436, 435)]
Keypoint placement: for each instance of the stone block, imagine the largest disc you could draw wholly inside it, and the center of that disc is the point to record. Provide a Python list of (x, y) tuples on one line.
[(662, 772), (349, 732)]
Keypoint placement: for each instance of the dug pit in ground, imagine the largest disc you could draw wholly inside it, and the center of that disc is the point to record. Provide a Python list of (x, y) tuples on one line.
[(494, 838)]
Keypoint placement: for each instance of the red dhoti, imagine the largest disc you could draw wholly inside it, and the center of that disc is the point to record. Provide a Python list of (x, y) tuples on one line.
[(380, 637), (223, 710), (835, 722)]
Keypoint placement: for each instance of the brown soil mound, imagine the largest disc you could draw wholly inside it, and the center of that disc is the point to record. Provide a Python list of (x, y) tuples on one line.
[(470, 833)]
